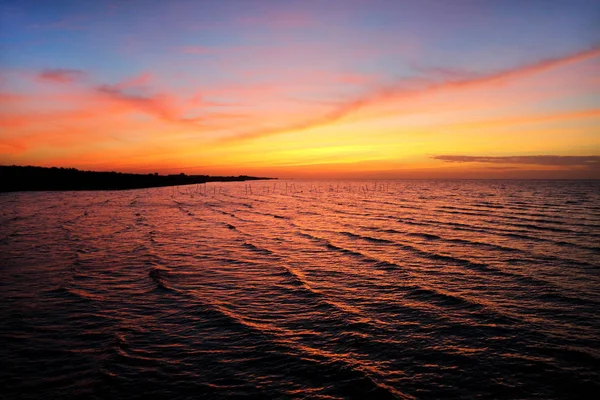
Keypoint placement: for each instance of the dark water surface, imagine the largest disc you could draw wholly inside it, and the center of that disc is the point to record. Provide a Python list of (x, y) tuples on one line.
[(391, 289)]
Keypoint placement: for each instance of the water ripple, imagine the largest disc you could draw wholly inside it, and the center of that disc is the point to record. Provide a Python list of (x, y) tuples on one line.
[(330, 290)]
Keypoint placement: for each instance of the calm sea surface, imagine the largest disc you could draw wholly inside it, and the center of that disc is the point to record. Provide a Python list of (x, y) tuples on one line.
[(299, 289)]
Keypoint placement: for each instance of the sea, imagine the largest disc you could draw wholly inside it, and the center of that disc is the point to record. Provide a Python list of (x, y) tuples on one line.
[(286, 289)]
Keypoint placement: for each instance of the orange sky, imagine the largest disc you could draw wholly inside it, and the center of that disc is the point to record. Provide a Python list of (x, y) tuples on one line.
[(233, 110)]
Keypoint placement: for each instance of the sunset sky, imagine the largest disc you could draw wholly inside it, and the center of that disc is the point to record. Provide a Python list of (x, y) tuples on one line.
[(303, 89)]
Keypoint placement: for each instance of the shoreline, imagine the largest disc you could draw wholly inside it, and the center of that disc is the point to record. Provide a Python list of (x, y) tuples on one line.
[(30, 178)]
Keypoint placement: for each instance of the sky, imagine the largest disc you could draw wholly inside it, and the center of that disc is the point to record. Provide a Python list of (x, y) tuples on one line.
[(303, 89)]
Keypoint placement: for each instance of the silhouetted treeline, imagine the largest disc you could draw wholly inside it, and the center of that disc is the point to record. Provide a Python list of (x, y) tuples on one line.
[(17, 178)]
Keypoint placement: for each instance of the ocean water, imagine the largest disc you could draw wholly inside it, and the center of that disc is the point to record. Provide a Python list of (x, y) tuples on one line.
[(299, 289)]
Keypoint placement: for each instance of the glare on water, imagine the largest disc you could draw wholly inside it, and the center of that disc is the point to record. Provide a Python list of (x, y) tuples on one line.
[(341, 289)]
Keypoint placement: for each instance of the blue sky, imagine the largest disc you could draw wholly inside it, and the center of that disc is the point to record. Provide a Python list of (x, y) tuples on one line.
[(269, 64)]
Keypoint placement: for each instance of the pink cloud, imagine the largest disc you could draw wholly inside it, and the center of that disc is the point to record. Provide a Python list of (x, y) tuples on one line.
[(142, 79), (591, 162), (417, 87), (242, 112), (60, 75)]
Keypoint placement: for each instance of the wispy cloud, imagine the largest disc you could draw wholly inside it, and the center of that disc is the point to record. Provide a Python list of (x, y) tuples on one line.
[(525, 70), (408, 88), (60, 75), (540, 118), (216, 114), (546, 160), (157, 105)]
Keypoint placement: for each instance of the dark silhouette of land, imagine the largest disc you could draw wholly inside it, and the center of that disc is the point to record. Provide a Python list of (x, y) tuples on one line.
[(18, 178)]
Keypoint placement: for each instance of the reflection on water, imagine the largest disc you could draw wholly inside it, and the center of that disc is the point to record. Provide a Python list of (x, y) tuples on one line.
[(303, 289)]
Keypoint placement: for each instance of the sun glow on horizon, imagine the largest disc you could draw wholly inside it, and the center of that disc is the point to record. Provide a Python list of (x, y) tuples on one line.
[(326, 93)]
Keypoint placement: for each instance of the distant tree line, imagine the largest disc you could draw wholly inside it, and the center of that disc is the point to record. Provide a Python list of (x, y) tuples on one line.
[(29, 178)]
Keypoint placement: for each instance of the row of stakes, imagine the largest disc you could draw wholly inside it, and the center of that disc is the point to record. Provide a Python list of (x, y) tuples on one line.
[(204, 190)]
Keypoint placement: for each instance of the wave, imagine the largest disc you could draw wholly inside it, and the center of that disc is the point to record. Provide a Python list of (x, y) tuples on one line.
[(358, 255), (433, 256), (344, 296), (159, 276), (534, 219), (343, 250), (444, 299), (345, 370), (293, 277), (433, 237), (267, 214), (518, 234), (367, 238), (67, 291), (426, 254), (554, 296), (427, 236), (257, 249)]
